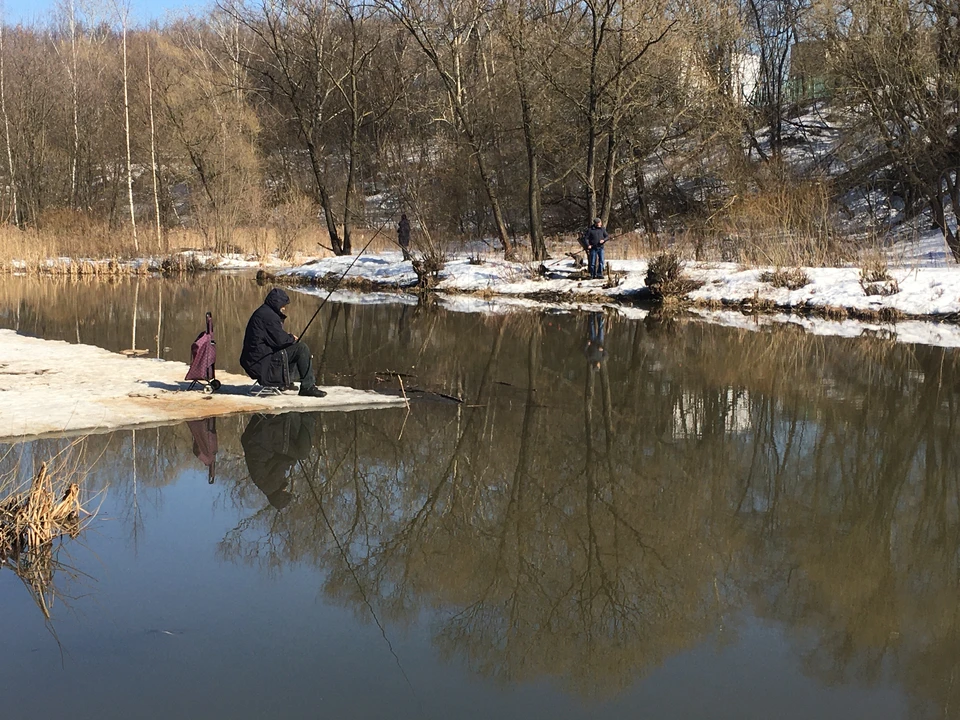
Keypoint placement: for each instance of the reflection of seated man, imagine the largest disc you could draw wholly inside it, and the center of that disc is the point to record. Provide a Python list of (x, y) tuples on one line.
[(594, 349), (268, 349), (272, 444)]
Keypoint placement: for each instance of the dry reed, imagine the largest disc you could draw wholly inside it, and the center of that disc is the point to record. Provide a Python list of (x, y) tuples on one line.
[(790, 278), (33, 517)]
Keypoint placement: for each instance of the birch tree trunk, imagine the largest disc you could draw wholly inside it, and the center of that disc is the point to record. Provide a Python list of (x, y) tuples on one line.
[(6, 130), (124, 12), (75, 91), (153, 156)]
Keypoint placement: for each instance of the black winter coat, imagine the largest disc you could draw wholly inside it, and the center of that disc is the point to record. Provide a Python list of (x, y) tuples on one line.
[(264, 337), (595, 236)]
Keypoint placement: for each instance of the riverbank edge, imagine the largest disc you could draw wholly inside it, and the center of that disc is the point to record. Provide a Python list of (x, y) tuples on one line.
[(626, 285), (552, 282), (186, 262)]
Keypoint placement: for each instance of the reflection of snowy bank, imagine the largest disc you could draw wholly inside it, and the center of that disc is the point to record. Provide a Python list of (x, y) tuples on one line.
[(51, 387), (466, 303), (921, 332)]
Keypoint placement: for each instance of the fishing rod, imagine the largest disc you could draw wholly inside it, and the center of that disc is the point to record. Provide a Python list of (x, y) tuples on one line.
[(340, 279)]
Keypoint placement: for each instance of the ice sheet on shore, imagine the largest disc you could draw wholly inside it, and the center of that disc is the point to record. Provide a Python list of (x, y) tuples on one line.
[(50, 387)]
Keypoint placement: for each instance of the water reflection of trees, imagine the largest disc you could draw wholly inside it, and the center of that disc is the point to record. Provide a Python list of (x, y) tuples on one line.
[(169, 312), (588, 523)]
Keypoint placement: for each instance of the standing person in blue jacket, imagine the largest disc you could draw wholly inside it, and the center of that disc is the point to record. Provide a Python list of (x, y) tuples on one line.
[(271, 355), (593, 240)]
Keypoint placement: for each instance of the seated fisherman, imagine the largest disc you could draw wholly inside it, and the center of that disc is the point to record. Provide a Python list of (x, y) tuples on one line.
[(268, 349)]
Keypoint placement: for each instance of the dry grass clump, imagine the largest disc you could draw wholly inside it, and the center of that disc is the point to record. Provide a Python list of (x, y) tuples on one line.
[(429, 265), (874, 269), (182, 264), (890, 287), (875, 278), (790, 278), (779, 219), (32, 517), (666, 279)]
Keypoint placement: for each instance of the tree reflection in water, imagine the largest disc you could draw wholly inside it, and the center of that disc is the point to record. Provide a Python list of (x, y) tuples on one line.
[(588, 523), (697, 473)]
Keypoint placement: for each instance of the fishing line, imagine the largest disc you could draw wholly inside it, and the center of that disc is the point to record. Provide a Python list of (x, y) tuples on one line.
[(340, 279), (353, 573)]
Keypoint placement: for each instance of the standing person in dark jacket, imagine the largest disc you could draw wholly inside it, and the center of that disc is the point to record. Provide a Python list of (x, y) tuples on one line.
[(269, 350), (403, 235), (593, 240)]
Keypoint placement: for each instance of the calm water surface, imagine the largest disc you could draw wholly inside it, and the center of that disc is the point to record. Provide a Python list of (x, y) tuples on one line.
[(694, 522)]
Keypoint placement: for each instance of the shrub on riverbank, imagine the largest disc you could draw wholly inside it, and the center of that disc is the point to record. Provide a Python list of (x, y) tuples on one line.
[(666, 279), (790, 278)]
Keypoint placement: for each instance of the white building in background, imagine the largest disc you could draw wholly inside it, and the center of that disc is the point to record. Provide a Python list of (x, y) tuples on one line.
[(738, 74), (745, 76)]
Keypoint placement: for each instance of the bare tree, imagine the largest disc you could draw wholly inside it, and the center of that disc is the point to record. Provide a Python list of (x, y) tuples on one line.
[(6, 130), (347, 78), (447, 33), (518, 23), (600, 45), (898, 66), (68, 9), (292, 46), (122, 8)]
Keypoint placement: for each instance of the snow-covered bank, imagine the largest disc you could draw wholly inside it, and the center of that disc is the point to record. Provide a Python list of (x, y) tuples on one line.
[(53, 388), (920, 332), (492, 275), (929, 293), (185, 261)]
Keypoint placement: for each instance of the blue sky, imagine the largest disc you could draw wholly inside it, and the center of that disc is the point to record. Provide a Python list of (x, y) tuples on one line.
[(142, 11)]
